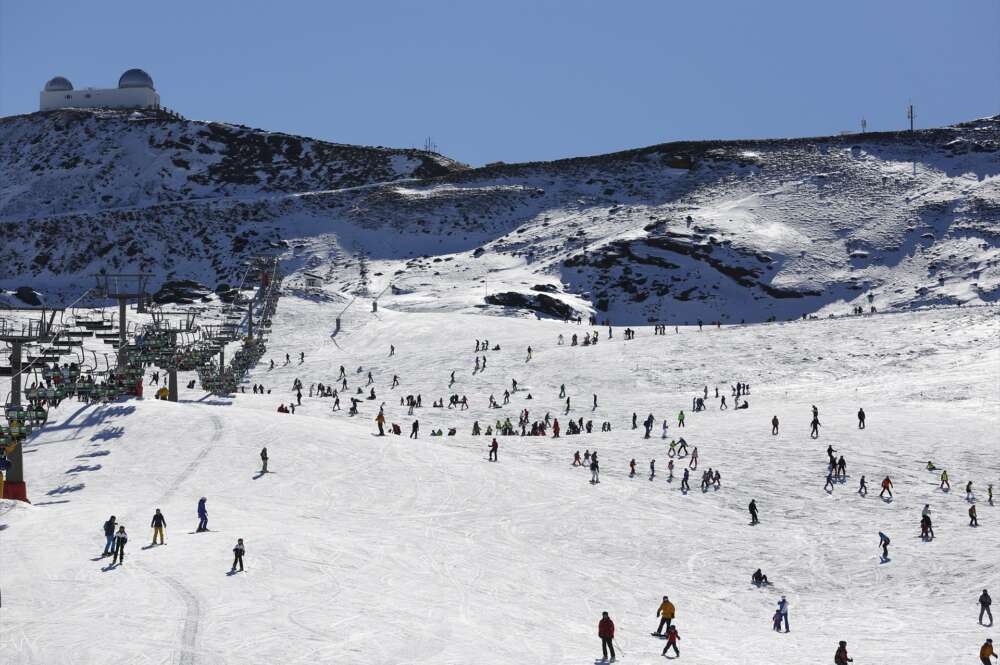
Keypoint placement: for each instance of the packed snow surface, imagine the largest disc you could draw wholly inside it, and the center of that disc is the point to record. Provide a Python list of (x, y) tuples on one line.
[(363, 549)]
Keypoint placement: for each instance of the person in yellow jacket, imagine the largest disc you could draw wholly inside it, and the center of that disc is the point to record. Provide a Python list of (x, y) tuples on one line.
[(666, 613), (944, 481), (986, 651)]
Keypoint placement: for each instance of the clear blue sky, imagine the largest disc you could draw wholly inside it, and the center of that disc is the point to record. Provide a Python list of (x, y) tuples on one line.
[(516, 81)]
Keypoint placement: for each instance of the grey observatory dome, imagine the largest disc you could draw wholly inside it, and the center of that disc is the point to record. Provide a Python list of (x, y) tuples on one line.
[(135, 78), (58, 84)]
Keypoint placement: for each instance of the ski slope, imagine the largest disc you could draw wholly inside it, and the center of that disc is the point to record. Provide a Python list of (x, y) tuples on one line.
[(390, 550)]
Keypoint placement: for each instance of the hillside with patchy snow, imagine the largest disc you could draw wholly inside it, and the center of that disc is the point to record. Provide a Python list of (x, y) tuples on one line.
[(719, 230)]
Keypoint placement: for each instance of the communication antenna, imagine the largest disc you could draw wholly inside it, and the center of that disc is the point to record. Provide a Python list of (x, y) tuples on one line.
[(864, 125), (909, 115), (430, 145)]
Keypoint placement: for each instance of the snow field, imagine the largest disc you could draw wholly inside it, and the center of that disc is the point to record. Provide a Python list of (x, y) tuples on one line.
[(388, 550)]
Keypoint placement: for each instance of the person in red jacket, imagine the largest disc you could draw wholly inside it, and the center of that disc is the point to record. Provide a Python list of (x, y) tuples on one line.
[(672, 637), (840, 658), (555, 428), (606, 631)]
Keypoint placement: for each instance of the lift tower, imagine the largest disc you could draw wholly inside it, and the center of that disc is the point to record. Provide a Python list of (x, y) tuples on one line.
[(122, 287), (16, 335)]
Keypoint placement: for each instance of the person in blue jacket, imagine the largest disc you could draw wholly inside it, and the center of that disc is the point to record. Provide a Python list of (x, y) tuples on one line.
[(202, 515)]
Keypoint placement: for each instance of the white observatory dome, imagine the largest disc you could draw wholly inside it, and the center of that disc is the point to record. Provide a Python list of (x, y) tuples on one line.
[(135, 78), (58, 84)]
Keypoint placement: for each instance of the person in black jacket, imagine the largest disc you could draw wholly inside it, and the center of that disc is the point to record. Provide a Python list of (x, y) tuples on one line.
[(109, 535), (238, 554), (263, 457), (159, 521), (753, 512), (984, 607), (120, 539)]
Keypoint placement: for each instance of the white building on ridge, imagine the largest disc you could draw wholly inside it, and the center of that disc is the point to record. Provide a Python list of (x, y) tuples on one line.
[(135, 90)]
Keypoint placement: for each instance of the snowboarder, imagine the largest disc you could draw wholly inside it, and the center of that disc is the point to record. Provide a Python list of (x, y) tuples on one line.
[(840, 658), (774, 425), (883, 542), (238, 552), (202, 516), (606, 631), (861, 418), (595, 470), (984, 607), (666, 613), (886, 487), (863, 487), (494, 447), (109, 535), (120, 539), (263, 459), (157, 524), (945, 485), (752, 507)]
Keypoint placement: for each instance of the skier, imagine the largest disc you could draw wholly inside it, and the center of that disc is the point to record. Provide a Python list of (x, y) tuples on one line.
[(263, 459), (631, 468), (680, 419), (945, 485), (758, 578), (886, 487), (973, 520), (529, 355), (672, 637), (774, 425), (576, 459), (752, 507), (414, 429), (783, 608), (666, 613), (109, 535), (863, 487), (606, 631), (595, 470), (392, 350), (984, 607), (829, 480), (814, 428), (968, 492), (670, 471), (120, 539), (494, 447), (202, 516), (238, 552), (840, 658), (861, 418), (157, 524), (693, 464), (380, 421), (883, 542), (684, 482), (652, 469)]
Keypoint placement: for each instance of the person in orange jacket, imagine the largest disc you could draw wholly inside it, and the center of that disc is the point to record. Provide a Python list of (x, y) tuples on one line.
[(606, 631), (986, 651), (672, 637), (666, 613)]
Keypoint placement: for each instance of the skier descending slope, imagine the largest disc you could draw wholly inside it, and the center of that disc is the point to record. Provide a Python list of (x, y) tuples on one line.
[(595, 470), (984, 607), (783, 610), (157, 524), (238, 552), (666, 613), (883, 542), (672, 637), (120, 539)]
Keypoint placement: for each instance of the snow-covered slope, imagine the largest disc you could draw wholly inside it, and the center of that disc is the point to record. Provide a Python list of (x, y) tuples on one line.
[(391, 550), (721, 230)]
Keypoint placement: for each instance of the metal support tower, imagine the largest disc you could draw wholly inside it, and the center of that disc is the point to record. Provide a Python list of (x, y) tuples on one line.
[(122, 287), (17, 335)]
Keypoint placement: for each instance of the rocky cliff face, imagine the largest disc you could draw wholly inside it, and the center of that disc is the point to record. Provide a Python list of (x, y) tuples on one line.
[(725, 230)]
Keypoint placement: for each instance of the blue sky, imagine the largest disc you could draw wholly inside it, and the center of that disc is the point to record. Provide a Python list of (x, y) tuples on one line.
[(519, 81)]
